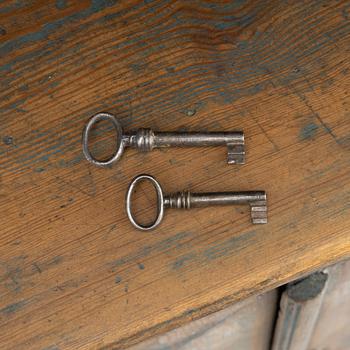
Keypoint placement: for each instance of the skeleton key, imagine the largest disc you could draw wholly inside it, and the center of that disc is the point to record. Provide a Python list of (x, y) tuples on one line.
[(146, 140), (187, 200)]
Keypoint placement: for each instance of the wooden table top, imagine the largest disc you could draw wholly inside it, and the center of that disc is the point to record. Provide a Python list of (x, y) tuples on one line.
[(74, 274)]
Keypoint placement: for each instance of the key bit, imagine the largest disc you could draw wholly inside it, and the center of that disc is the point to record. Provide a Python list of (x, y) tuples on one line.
[(146, 140), (186, 200)]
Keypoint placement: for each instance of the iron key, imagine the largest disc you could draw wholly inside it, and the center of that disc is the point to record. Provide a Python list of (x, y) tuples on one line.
[(147, 139), (186, 200)]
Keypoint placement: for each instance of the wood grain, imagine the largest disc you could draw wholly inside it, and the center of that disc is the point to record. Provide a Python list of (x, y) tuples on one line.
[(73, 272)]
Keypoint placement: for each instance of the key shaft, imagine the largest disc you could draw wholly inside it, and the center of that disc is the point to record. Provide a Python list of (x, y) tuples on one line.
[(187, 200), (147, 139)]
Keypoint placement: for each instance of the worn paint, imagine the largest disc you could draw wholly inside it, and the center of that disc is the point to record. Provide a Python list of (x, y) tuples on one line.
[(173, 242), (182, 260), (61, 4), (47, 264), (51, 28), (11, 273), (229, 246), (13, 6), (12, 308), (15, 272), (70, 284), (308, 131), (308, 288), (47, 29), (214, 251), (14, 106)]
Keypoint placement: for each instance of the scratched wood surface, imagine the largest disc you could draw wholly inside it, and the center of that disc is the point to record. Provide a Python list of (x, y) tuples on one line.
[(74, 274)]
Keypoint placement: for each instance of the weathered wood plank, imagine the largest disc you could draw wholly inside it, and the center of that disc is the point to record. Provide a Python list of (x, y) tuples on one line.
[(73, 272)]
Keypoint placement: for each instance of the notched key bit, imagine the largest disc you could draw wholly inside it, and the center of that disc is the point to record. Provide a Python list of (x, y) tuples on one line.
[(186, 200), (146, 140)]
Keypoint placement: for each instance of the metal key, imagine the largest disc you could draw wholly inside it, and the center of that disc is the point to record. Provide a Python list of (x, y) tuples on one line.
[(146, 140), (187, 200)]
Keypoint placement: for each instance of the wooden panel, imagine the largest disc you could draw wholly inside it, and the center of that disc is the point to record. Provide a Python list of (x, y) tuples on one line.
[(299, 308), (73, 272), (314, 312), (245, 325), (332, 329)]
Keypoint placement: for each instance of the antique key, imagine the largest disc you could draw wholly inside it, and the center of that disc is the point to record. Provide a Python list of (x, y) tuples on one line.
[(188, 200), (146, 140)]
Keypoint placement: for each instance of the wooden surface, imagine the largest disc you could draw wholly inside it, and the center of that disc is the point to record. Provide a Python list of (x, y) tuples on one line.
[(74, 274), (245, 325)]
